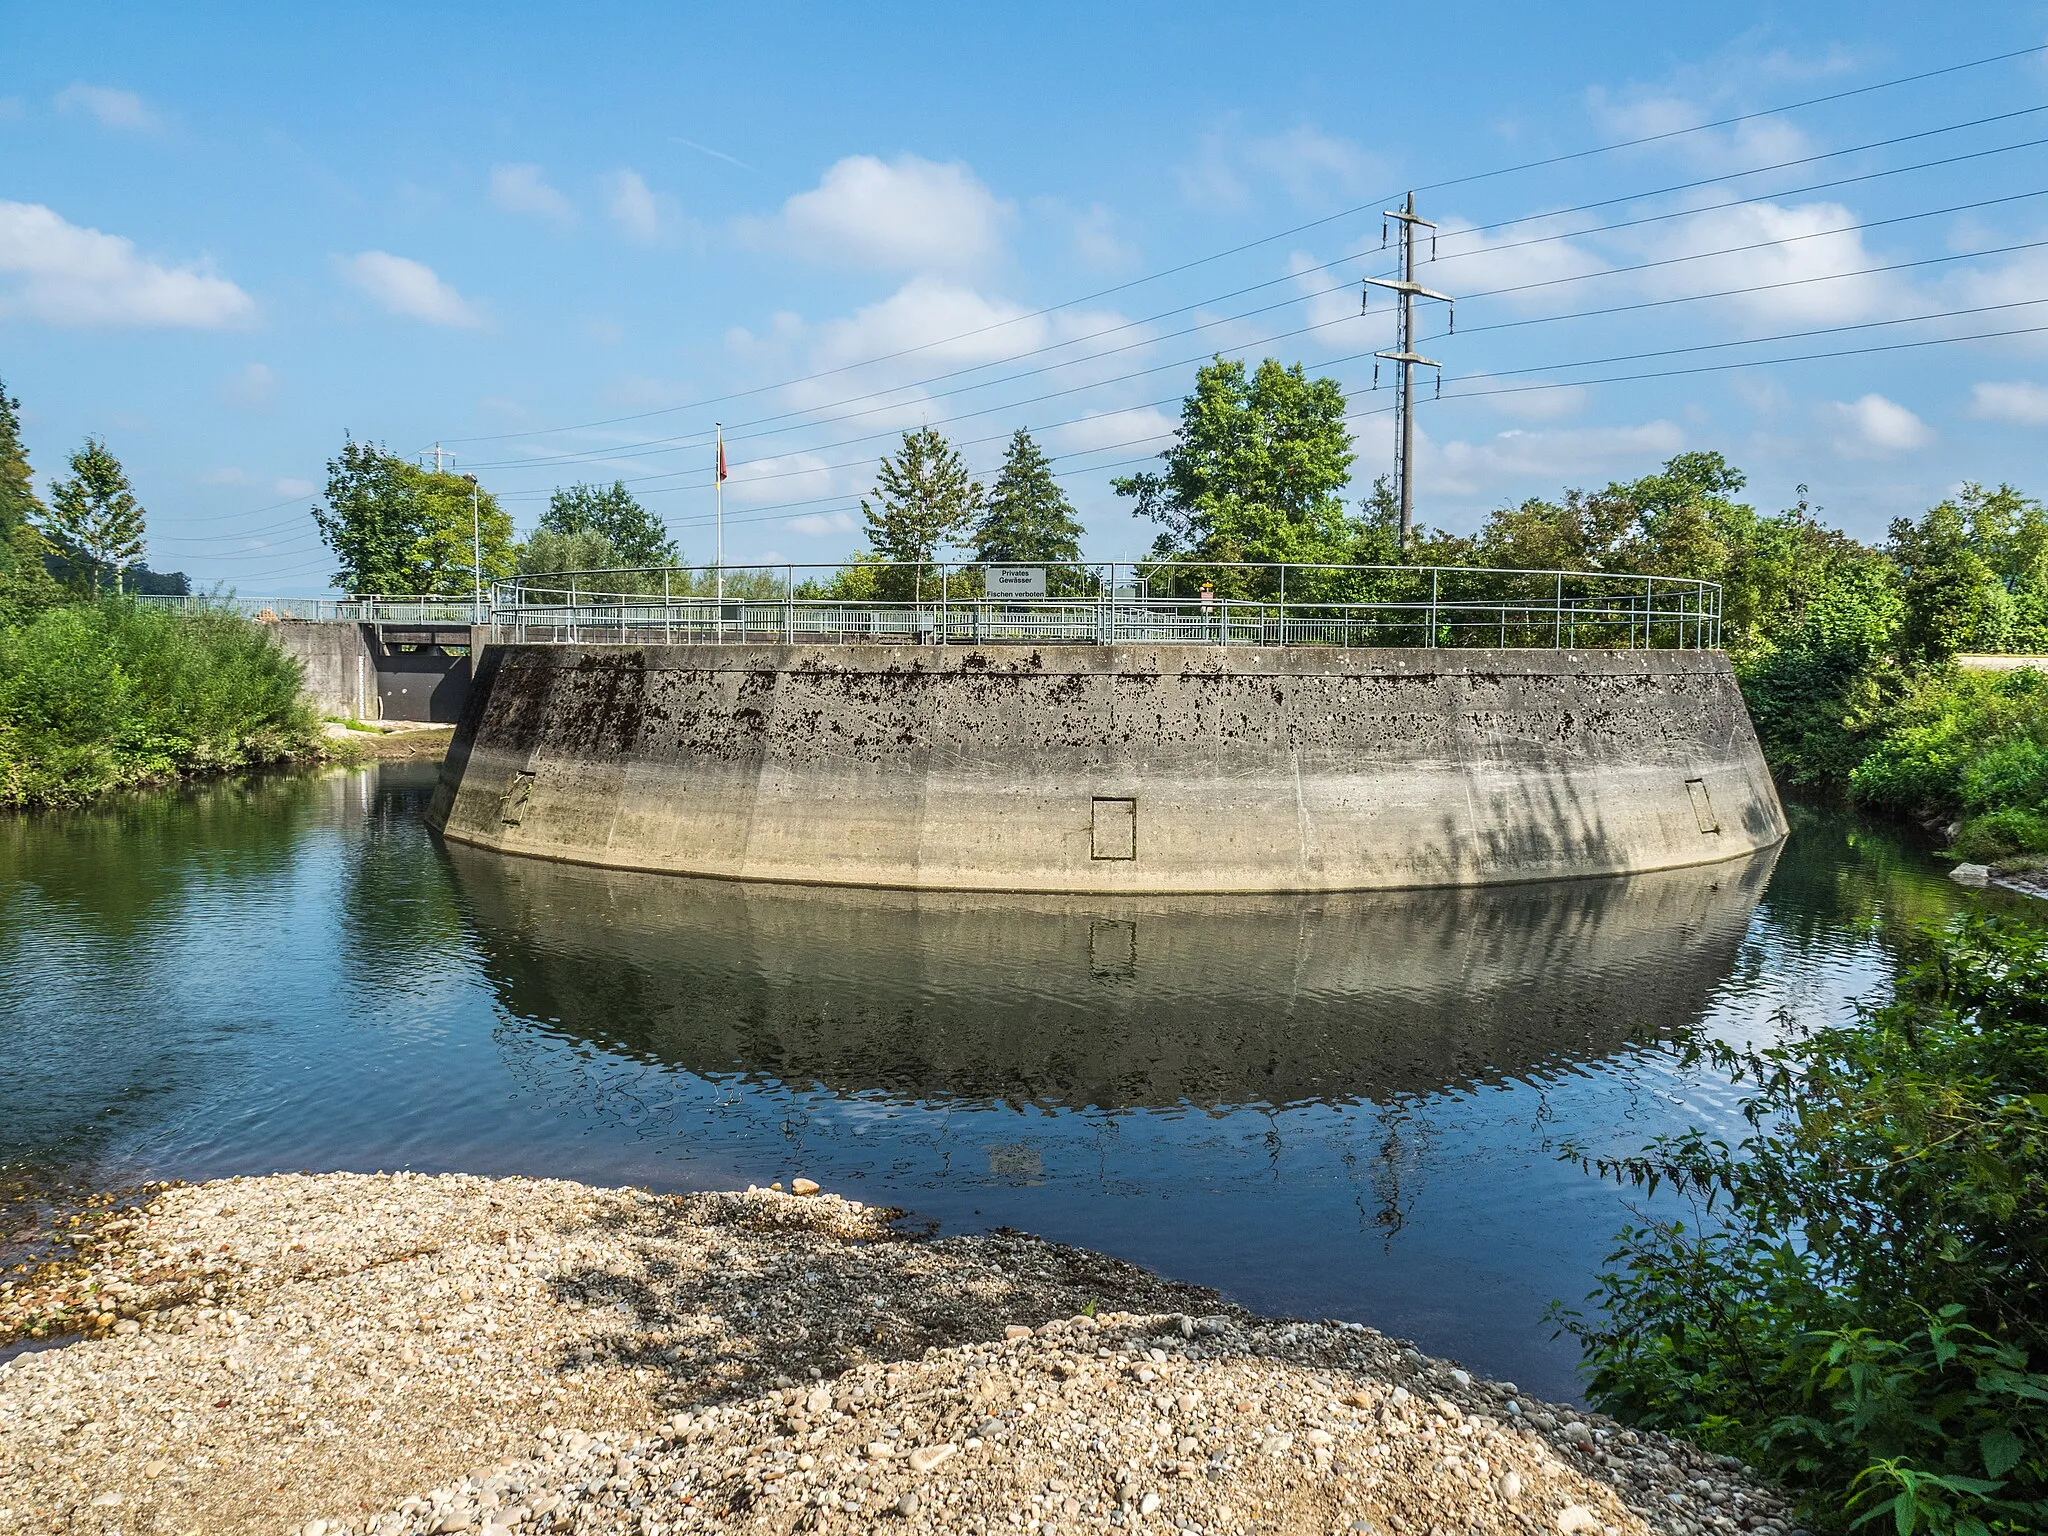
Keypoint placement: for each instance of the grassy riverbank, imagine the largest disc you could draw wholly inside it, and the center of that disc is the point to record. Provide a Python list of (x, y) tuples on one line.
[(1859, 1303), (98, 696)]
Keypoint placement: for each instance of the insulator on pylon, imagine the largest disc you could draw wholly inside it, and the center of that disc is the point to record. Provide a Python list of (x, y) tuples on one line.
[(1454, 319), (1383, 234), (1375, 375), (1432, 245), (1364, 292), (1439, 385)]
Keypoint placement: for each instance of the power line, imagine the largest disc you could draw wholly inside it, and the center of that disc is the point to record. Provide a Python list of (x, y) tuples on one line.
[(1457, 181), (809, 416)]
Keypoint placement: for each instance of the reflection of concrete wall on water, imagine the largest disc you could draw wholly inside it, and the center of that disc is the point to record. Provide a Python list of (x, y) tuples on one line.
[(1110, 769), (1113, 1002)]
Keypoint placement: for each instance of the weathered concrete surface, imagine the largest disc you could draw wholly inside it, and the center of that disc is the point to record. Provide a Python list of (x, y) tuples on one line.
[(1109, 768), (340, 673)]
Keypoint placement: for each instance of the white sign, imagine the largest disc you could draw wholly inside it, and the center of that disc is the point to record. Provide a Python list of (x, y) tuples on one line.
[(1016, 581)]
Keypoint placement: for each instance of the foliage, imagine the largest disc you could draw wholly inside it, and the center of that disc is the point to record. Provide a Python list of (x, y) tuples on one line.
[(923, 498), (634, 535), (94, 696), (26, 586), (581, 549), (1028, 519), (94, 519), (1859, 1306), (1257, 471), (401, 531)]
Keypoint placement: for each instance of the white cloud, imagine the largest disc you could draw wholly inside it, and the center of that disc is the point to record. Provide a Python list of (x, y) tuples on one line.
[(1776, 252), (112, 108), (1521, 400), (1514, 257), (1140, 430), (62, 274), (1098, 244), (641, 212), (2017, 401), (525, 189), (407, 287), (292, 487), (909, 214), (253, 386), (818, 524), (1874, 427), (1313, 166), (1310, 166), (1523, 462)]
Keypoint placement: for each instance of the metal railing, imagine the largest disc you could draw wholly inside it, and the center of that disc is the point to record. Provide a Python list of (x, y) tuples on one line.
[(1155, 602), (331, 610)]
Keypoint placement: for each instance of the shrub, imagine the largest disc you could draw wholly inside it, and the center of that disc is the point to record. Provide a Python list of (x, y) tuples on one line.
[(1859, 1305), (94, 696)]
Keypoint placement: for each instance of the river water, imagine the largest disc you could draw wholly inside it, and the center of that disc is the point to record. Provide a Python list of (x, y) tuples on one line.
[(1338, 1106)]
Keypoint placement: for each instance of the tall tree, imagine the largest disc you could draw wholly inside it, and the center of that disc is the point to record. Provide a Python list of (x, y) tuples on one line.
[(923, 498), (635, 535), (400, 530), (95, 520), (19, 506), (1257, 471), (1028, 518)]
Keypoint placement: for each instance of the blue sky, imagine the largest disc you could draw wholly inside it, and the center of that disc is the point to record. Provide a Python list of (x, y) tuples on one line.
[(230, 233)]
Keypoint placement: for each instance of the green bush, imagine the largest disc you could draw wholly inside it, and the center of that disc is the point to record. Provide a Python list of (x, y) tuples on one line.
[(94, 696), (1859, 1305), (1968, 746)]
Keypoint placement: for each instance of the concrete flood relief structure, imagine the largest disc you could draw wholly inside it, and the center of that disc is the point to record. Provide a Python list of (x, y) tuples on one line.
[(377, 671), (1119, 768)]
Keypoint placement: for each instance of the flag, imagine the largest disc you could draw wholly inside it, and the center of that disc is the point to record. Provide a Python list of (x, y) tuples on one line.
[(721, 458)]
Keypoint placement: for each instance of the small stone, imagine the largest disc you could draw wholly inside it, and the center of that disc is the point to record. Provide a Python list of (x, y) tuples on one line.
[(1510, 1485), (313, 1528), (1148, 1504), (776, 1186), (1577, 1432), (1276, 1445), (803, 1186), (107, 1501), (126, 1326), (154, 1469), (1971, 874), (1016, 1331), (1577, 1520), (820, 1401), (1460, 1378), (907, 1505), (925, 1457), (1319, 1437)]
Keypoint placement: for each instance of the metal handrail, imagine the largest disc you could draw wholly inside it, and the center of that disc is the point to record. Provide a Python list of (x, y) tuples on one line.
[(329, 610), (949, 603)]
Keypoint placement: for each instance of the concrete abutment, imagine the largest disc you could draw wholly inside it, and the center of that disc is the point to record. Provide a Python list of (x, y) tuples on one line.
[(1118, 768)]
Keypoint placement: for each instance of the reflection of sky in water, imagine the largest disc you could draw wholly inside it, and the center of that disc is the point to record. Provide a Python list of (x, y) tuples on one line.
[(1342, 1107)]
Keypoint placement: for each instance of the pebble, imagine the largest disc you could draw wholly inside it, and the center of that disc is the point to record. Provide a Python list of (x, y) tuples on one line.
[(535, 1357), (803, 1186)]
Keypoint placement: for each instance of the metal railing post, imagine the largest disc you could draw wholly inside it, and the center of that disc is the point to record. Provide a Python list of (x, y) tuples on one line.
[(1433, 574)]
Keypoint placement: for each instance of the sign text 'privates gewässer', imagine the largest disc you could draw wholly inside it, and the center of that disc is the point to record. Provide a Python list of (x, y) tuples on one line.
[(1016, 581)]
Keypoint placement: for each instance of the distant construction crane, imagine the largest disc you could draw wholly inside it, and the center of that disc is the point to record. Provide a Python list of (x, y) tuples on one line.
[(1405, 354)]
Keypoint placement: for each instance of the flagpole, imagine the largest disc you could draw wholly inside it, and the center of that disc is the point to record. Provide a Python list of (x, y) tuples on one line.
[(718, 480)]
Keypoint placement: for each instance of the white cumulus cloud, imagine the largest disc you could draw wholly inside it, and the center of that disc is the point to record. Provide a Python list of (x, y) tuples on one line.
[(407, 287), (525, 189), (1524, 462), (112, 108), (906, 214), (2016, 401), (635, 207), (1873, 427), (61, 274)]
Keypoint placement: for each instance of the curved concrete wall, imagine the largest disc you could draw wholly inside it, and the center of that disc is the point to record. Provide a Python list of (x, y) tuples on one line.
[(1109, 768)]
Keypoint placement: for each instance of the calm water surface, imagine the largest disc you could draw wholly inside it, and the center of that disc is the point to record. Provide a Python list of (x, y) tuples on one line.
[(1340, 1106)]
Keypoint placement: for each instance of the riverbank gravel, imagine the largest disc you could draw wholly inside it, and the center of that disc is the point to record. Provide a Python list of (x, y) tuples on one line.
[(394, 1355)]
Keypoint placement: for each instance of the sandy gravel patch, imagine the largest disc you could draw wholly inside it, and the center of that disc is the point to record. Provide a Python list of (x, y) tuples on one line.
[(358, 1353)]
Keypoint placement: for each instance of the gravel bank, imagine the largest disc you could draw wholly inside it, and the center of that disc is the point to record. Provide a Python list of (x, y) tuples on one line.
[(408, 1354)]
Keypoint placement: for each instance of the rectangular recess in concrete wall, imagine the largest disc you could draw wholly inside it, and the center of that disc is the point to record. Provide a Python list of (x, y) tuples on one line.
[(1702, 805), (1115, 828)]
